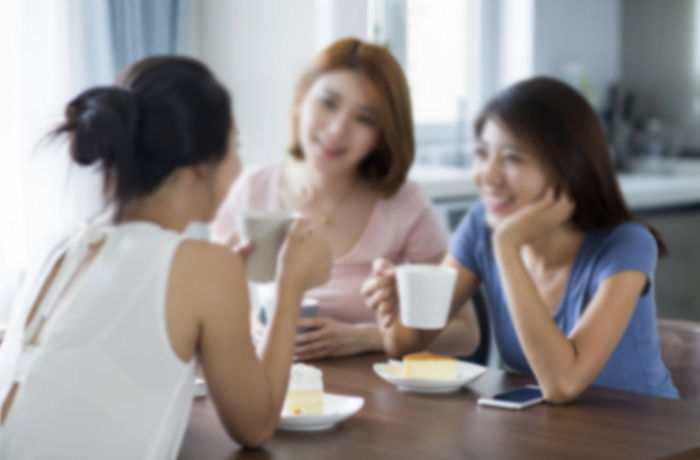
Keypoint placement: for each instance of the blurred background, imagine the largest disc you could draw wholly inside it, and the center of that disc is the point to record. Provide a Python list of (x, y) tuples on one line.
[(637, 62)]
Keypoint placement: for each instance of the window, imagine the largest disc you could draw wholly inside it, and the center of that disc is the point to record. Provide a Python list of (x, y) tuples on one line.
[(36, 187), (438, 44)]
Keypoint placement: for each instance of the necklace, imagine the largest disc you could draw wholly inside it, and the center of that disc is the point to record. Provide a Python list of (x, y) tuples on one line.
[(326, 217)]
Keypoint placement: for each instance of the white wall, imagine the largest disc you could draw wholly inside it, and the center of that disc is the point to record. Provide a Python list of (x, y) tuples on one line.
[(40, 193), (258, 48), (587, 32)]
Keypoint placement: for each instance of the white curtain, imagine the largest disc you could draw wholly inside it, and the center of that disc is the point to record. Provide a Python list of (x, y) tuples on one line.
[(40, 194), (51, 50)]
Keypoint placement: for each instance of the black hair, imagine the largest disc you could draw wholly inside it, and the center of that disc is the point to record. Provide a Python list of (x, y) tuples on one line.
[(165, 112)]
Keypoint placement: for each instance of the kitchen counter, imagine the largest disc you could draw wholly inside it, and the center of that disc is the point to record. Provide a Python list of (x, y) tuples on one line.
[(679, 186)]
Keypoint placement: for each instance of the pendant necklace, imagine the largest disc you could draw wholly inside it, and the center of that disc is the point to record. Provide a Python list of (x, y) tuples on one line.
[(326, 219)]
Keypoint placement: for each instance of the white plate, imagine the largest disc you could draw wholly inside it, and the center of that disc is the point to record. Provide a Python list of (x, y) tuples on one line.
[(391, 372), (336, 408)]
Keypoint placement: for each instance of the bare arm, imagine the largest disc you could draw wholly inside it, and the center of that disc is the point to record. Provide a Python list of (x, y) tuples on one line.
[(248, 392), (380, 294), (211, 279), (336, 338), (461, 336), (565, 366)]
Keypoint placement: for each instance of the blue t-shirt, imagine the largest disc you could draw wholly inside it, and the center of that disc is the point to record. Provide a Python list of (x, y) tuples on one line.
[(635, 364)]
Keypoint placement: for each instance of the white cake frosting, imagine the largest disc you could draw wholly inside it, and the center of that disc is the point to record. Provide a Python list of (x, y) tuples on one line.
[(305, 378)]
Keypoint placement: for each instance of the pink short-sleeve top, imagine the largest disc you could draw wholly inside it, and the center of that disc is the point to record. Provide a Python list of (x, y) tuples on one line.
[(402, 228)]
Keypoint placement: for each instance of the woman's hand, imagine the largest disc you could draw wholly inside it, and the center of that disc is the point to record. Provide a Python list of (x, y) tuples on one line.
[(242, 248), (535, 219), (305, 258), (379, 292), (331, 337)]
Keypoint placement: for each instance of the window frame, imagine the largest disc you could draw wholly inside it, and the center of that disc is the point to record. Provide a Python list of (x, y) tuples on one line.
[(451, 141)]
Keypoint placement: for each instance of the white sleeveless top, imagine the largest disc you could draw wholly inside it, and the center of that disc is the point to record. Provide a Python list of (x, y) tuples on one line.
[(104, 381)]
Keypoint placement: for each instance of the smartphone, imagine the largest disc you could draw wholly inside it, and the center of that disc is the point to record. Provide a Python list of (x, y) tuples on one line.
[(517, 399)]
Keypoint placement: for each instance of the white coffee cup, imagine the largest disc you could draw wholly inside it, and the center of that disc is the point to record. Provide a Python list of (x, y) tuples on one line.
[(425, 295), (267, 230)]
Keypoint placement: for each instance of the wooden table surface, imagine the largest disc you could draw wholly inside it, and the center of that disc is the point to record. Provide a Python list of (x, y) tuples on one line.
[(602, 423)]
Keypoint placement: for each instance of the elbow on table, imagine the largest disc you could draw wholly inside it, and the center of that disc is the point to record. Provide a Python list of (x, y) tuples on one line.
[(252, 439), (251, 443), (252, 435), (560, 392)]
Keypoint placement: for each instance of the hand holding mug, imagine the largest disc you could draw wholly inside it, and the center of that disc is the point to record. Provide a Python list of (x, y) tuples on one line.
[(242, 248), (267, 230), (379, 292), (305, 259)]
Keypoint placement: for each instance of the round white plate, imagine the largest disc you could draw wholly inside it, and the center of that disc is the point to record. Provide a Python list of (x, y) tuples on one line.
[(391, 372), (336, 409)]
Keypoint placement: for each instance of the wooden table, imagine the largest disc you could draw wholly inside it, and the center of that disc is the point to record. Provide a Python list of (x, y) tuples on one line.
[(602, 423)]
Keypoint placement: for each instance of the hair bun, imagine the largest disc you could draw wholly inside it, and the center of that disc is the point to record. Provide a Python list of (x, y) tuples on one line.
[(102, 122)]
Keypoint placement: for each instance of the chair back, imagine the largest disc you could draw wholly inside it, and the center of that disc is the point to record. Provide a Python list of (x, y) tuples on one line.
[(680, 349)]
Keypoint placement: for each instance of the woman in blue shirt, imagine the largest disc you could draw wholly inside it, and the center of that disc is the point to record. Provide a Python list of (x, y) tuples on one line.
[(567, 268)]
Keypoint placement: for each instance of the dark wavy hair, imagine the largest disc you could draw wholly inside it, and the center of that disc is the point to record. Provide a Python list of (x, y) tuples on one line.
[(569, 139), (165, 112)]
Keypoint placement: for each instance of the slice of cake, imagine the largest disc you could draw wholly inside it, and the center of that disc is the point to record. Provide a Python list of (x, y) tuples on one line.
[(305, 391), (427, 365)]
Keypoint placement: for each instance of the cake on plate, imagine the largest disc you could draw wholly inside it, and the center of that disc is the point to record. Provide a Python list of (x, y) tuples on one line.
[(427, 365), (305, 391)]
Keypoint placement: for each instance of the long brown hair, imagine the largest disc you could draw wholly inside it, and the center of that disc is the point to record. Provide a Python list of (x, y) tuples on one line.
[(570, 141), (387, 166)]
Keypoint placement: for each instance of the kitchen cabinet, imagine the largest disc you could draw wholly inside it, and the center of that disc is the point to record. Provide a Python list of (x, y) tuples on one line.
[(678, 275)]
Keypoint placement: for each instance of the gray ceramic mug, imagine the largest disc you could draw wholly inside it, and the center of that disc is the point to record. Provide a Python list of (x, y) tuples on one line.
[(267, 230)]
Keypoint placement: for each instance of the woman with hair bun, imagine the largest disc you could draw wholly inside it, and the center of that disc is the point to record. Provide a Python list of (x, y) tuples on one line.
[(100, 355)]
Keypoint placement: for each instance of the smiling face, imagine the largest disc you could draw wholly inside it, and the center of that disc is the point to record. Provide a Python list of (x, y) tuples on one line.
[(507, 172), (338, 125)]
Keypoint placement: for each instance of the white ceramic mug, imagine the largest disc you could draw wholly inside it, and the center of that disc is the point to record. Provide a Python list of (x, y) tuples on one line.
[(267, 230), (425, 295)]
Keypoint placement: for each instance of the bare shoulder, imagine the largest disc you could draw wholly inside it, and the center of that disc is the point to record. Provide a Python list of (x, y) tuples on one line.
[(209, 272), (198, 252), (206, 287)]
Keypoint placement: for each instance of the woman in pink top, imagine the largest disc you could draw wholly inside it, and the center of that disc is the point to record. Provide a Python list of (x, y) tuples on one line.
[(351, 148)]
